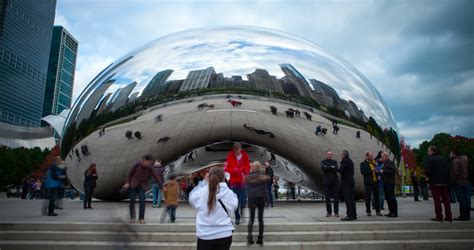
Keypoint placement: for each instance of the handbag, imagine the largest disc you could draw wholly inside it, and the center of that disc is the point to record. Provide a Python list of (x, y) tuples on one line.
[(227, 212)]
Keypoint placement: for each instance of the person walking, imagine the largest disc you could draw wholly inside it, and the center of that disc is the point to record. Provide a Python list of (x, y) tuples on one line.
[(347, 183), (159, 169), (213, 201), (238, 166), (90, 180), (257, 184), (269, 173), (330, 183), (388, 177), (136, 183), (368, 169), (54, 181), (437, 175), (416, 186), (171, 194), (459, 179)]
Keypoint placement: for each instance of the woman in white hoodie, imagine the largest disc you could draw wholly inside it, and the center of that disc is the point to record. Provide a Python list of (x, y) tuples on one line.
[(213, 200)]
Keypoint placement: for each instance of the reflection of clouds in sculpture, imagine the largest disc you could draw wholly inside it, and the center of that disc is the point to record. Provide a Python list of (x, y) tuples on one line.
[(241, 50)]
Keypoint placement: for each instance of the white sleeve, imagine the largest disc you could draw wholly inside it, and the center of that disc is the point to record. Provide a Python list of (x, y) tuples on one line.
[(231, 201), (196, 194)]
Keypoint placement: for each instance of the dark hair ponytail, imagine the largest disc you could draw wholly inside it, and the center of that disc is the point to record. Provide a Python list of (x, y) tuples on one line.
[(216, 175)]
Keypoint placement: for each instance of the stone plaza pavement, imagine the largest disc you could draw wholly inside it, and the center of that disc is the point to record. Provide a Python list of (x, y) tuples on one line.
[(16, 210)]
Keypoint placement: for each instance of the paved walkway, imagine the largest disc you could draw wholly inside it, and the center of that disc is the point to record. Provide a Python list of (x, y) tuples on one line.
[(16, 210)]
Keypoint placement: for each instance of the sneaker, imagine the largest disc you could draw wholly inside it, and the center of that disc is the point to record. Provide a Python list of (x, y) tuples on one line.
[(379, 214), (153, 206), (132, 221), (328, 215), (260, 242), (392, 215), (336, 215), (142, 221), (448, 220), (347, 218), (237, 222), (436, 219), (250, 242), (369, 214), (52, 214)]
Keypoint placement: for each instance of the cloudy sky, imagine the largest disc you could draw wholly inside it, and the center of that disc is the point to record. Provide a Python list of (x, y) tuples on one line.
[(418, 54)]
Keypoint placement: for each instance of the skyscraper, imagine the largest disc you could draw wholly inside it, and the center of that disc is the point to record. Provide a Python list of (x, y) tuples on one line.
[(60, 78), (25, 40), (261, 79), (295, 77), (156, 83), (198, 79)]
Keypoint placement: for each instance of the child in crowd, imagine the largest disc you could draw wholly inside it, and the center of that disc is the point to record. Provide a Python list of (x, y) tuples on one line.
[(171, 194)]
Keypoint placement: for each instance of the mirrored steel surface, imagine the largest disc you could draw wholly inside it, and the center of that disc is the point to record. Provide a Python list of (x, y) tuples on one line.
[(188, 90)]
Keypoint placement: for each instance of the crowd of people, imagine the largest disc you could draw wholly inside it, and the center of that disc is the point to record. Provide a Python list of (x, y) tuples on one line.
[(241, 184)]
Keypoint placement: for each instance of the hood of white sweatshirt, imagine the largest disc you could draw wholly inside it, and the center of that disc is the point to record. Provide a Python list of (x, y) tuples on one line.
[(216, 224)]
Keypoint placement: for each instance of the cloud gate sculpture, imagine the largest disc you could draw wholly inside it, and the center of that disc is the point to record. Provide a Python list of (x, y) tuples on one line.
[(184, 98)]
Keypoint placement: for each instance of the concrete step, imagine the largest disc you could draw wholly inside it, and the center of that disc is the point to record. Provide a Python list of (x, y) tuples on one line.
[(467, 244), (270, 227), (305, 236)]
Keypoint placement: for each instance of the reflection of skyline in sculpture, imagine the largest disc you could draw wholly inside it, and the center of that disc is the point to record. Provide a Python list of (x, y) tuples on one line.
[(156, 83), (293, 83), (120, 98), (93, 100)]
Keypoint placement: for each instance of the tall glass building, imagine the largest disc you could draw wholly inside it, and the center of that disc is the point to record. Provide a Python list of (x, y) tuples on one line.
[(26, 29), (60, 78)]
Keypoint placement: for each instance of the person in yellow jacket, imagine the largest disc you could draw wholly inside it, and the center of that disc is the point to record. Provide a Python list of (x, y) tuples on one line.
[(171, 194)]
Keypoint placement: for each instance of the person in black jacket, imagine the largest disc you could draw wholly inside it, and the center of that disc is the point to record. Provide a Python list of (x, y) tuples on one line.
[(388, 178), (90, 178), (348, 183), (437, 175), (257, 193), (330, 183), (368, 169)]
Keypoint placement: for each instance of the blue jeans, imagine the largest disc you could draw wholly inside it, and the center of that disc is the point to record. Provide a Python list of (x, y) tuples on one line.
[(239, 190), (157, 195), (462, 195), (381, 197), (172, 212), (134, 192), (270, 195)]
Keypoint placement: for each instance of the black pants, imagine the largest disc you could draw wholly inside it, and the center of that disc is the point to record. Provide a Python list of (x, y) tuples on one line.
[(389, 190), (331, 191), (416, 192), (348, 193), (256, 203), (88, 191), (52, 196), (369, 190), (217, 244)]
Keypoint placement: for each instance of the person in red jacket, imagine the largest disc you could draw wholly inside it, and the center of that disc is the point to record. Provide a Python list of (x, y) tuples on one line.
[(238, 166)]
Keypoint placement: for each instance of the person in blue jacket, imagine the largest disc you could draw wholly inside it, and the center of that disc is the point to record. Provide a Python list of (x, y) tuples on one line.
[(54, 180)]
